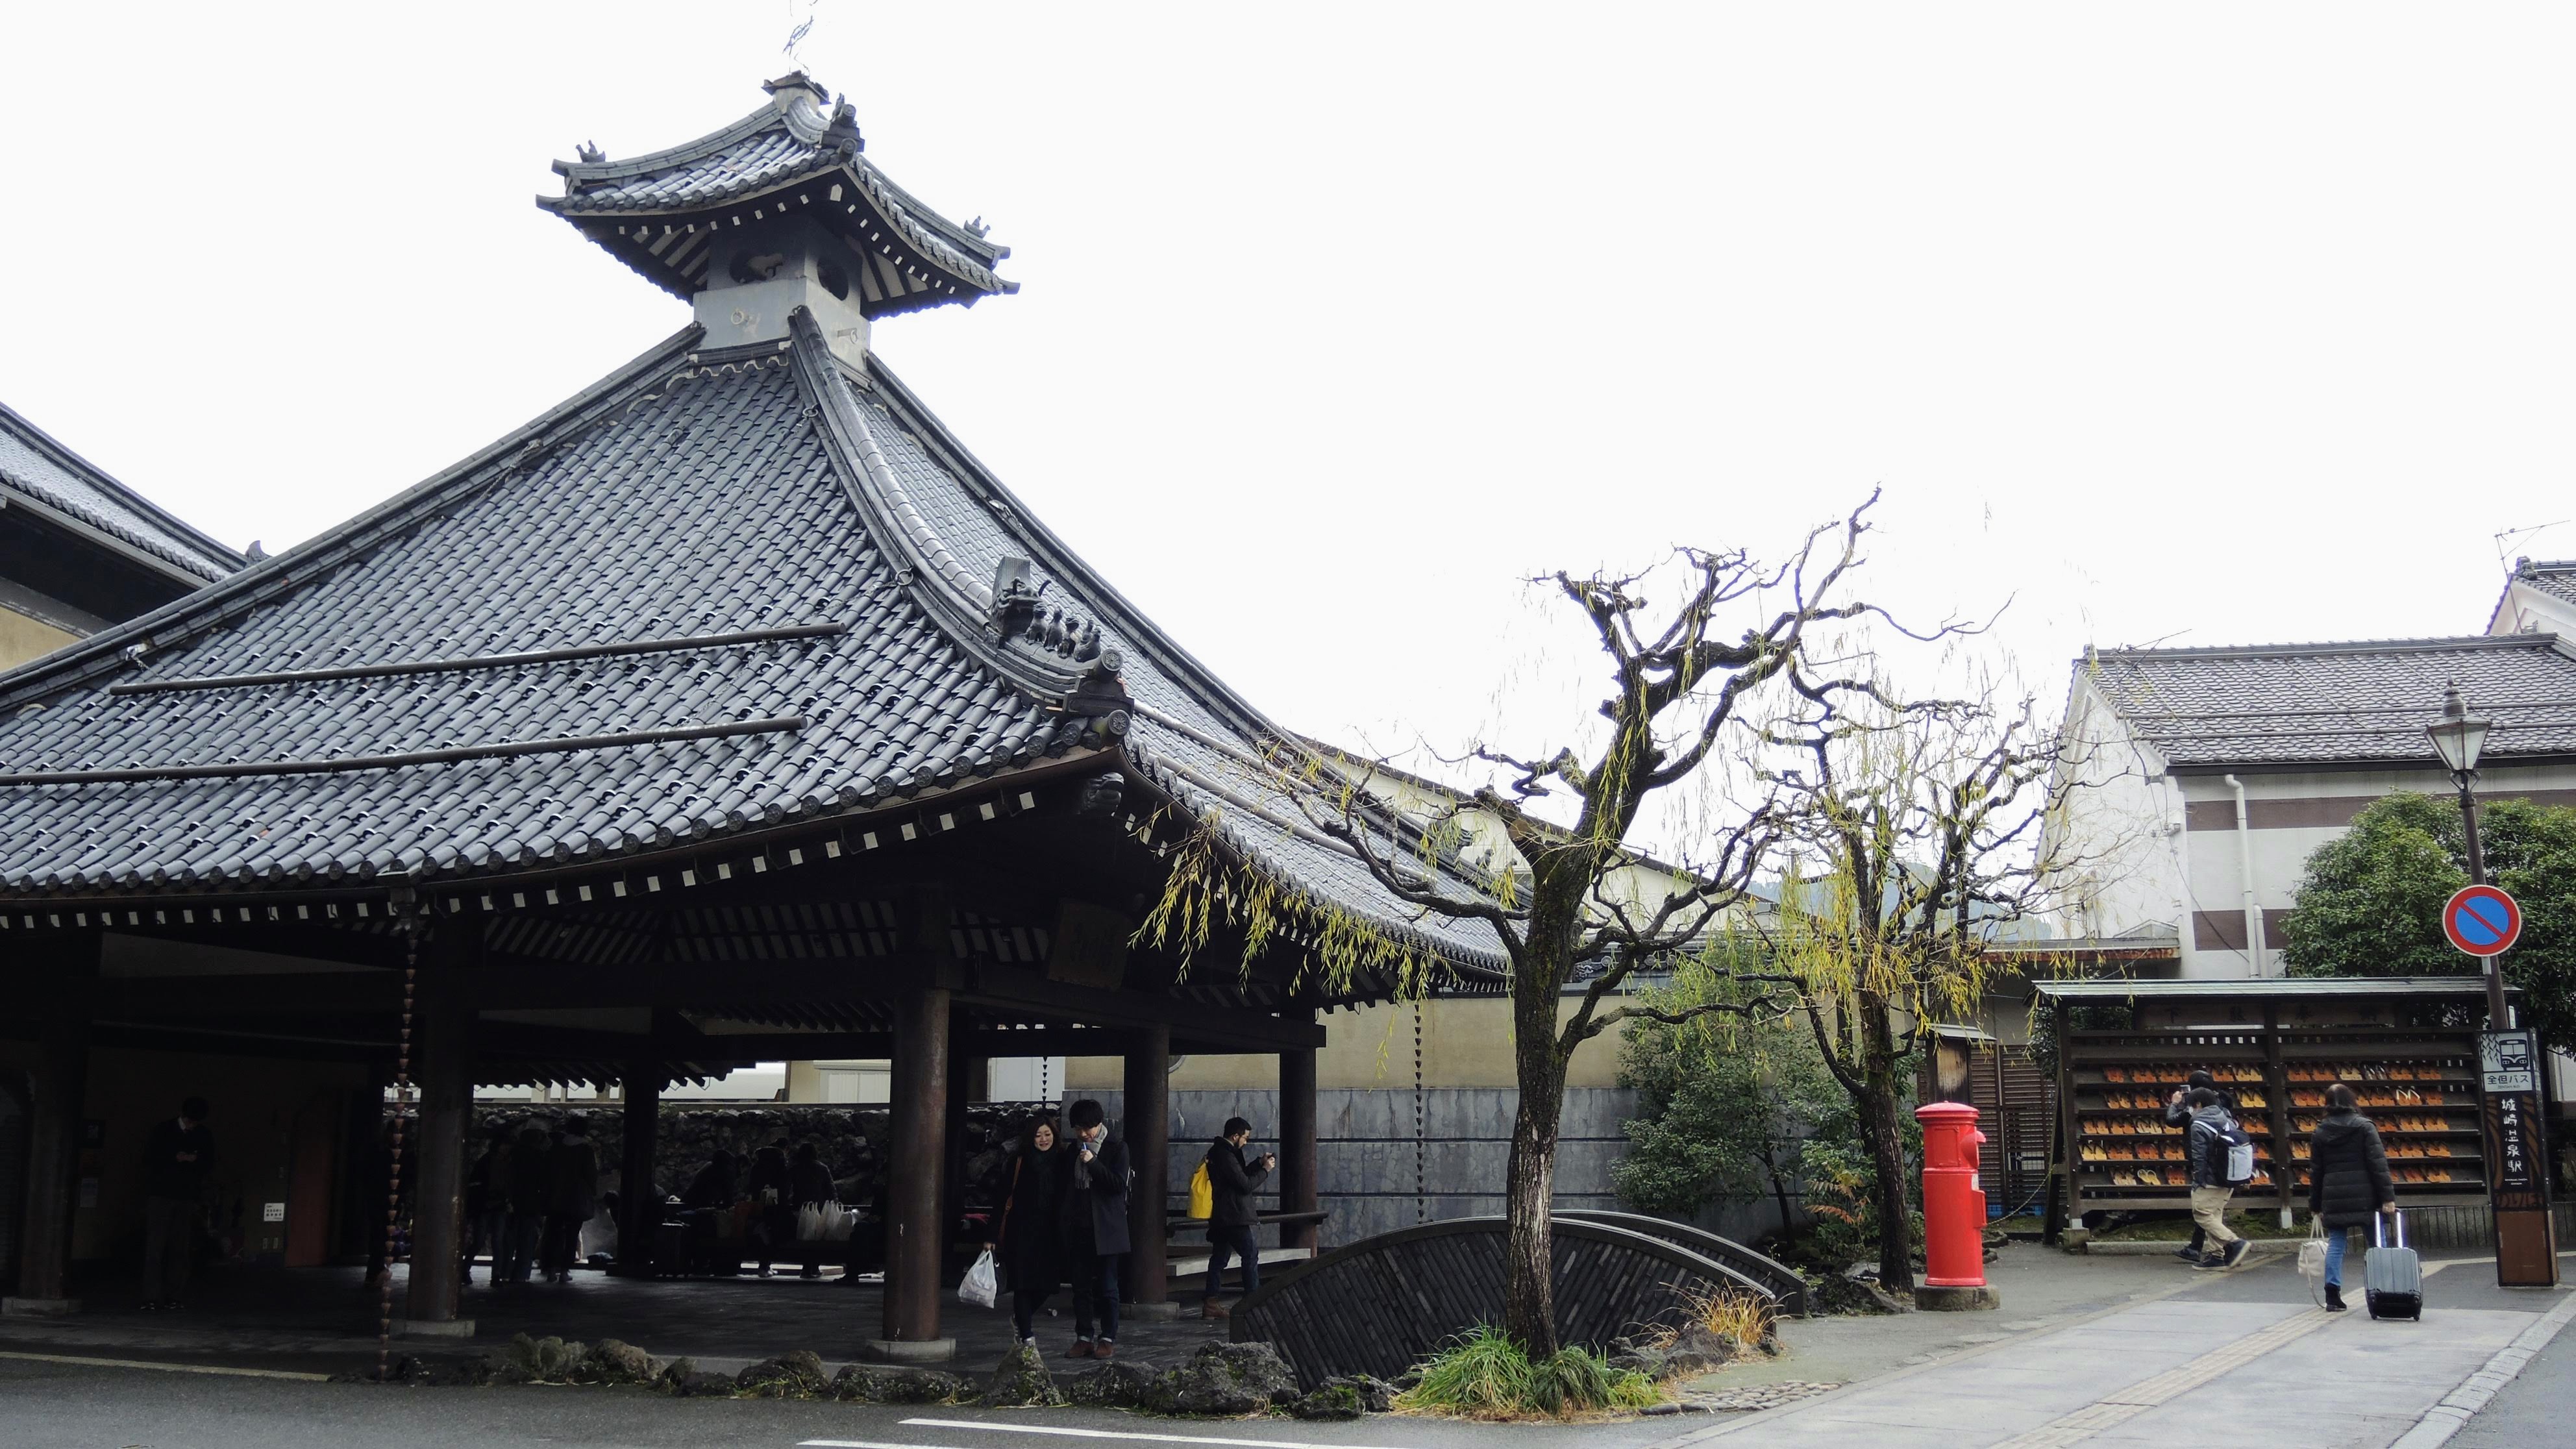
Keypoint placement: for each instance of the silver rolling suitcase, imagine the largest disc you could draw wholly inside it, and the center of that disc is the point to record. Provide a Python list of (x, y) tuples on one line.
[(2391, 1274)]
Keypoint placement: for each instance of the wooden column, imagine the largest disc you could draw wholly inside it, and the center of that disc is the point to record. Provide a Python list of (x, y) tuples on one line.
[(969, 1080), (914, 1189), (443, 1070), (639, 1202), (1149, 1159), (1299, 1170), (53, 1168)]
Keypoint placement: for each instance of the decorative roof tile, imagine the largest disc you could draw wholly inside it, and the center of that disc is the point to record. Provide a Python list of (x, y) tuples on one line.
[(2333, 704)]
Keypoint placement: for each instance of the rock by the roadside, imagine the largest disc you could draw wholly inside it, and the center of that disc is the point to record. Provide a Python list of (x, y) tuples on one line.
[(402, 1368), (881, 1384), (1839, 1294), (1119, 1384), (548, 1360), (1021, 1381), (795, 1374), (1227, 1380), (1696, 1350), (1376, 1394), (1329, 1402), (613, 1361), (1637, 1358)]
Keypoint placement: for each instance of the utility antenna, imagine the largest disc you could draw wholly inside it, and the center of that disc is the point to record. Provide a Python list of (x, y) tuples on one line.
[(2505, 540)]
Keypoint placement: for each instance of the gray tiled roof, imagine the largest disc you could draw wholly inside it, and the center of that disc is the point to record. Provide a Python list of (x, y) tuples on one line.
[(685, 496), (2555, 577), (789, 141), (2291, 704), (35, 465)]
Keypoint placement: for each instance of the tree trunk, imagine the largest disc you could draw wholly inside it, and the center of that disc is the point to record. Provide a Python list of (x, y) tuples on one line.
[(1529, 1257), (1880, 1106)]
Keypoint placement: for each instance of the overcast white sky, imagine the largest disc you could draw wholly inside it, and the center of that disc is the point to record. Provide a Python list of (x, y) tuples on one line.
[(2202, 324)]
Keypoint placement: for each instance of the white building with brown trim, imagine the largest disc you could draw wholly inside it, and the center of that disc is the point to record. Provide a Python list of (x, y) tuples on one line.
[(2209, 776)]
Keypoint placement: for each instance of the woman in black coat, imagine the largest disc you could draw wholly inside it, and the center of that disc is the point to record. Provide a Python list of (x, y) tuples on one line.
[(2347, 1180), (1031, 1246)]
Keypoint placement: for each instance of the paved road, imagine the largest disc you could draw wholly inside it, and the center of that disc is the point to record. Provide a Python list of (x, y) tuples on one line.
[(2239, 1360), (2537, 1408), (43, 1406)]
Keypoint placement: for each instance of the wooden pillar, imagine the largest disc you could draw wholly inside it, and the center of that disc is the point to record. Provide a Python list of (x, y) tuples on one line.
[(1299, 1170), (53, 1168), (1149, 1160), (443, 1070), (914, 1190), (639, 1202), (969, 1079)]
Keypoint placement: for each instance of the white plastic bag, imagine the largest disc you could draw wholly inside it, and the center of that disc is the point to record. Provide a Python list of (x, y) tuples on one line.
[(978, 1287)]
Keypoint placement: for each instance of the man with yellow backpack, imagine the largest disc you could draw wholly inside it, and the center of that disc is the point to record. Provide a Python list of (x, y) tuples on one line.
[(1223, 1191)]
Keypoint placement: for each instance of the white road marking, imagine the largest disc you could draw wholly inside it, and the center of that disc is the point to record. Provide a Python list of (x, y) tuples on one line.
[(175, 1368), (996, 1428)]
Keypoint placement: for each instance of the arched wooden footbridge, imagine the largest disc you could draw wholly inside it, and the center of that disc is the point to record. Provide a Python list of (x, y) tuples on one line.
[(1381, 1305)]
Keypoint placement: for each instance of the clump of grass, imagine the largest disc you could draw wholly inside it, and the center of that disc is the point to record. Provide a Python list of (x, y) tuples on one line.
[(1485, 1374), (1742, 1319)]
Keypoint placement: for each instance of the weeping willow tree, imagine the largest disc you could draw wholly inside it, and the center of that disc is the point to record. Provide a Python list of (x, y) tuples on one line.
[(1912, 837), (1695, 652)]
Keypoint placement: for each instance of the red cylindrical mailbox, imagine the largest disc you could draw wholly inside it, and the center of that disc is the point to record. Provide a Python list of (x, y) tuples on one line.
[(1954, 1207)]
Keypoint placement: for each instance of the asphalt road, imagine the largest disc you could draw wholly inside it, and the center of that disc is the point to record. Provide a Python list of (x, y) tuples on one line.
[(2536, 1409), (62, 1406)]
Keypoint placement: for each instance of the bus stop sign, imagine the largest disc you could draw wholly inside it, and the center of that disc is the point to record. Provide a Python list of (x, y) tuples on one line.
[(2481, 920)]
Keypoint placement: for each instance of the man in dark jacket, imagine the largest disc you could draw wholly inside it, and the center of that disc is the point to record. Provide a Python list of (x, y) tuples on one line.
[(1235, 1181), (175, 1161), (1095, 1229), (809, 1184), (2178, 1115), (572, 1195), (2347, 1180), (2206, 1152), (531, 1188)]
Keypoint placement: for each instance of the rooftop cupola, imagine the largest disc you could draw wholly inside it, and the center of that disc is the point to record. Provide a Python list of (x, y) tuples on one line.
[(777, 211)]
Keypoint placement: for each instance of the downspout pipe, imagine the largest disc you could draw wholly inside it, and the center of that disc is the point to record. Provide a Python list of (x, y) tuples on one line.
[(2245, 877)]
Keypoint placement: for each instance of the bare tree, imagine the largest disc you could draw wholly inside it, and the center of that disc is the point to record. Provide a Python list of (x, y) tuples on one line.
[(1913, 841), (1561, 898)]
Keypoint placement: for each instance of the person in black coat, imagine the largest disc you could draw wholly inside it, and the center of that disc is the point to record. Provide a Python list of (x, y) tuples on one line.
[(1030, 1246), (1093, 1219), (809, 1184), (530, 1191), (773, 1217), (1235, 1182), (572, 1195), (176, 1159), (2347, 1180)]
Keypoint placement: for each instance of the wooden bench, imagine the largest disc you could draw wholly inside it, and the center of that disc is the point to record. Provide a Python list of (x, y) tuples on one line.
[(1383, 1304), (1185, 1245)]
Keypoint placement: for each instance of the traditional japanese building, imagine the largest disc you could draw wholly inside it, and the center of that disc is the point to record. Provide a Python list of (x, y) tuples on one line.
[(729, 711), (80, 551)]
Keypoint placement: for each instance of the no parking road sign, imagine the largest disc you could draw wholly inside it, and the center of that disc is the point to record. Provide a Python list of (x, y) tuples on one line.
[(2481, 920)]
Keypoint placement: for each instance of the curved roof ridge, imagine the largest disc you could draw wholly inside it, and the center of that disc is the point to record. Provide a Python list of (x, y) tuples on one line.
[(2427, 644), (165, 535), (282, 573), (1059, 558)]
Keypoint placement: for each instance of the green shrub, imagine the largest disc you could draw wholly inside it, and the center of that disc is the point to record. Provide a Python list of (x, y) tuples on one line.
[(1487, 1375)]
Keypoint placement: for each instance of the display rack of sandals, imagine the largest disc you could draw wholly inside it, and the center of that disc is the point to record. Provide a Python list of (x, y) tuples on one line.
[(2405, 1045)]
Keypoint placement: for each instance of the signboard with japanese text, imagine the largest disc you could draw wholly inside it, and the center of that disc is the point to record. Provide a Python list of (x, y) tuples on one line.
[(2517, 1144)]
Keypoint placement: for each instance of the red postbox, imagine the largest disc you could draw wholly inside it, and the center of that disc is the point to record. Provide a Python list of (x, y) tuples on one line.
[(1954, 1207)]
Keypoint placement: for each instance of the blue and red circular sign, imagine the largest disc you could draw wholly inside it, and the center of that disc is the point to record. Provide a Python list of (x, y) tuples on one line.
[(2481, 920)]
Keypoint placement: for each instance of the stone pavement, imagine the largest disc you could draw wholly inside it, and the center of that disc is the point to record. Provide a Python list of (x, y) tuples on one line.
[(2222, 1360)]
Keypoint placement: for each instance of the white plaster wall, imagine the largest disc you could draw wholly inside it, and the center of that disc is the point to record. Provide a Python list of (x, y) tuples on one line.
[(2115, 855)]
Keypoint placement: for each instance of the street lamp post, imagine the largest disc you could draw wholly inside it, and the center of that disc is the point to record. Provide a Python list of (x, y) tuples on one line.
[(2458, 737)]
